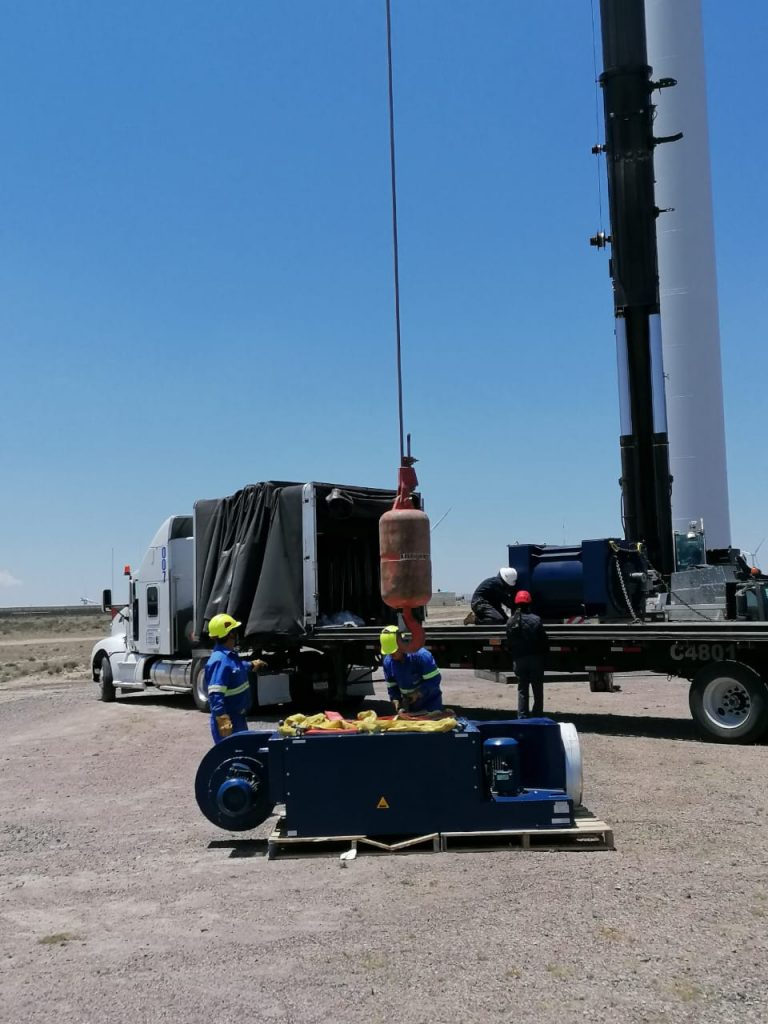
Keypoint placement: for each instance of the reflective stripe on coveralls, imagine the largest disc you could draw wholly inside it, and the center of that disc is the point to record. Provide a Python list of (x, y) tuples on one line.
[(229, 691), (424, 678)]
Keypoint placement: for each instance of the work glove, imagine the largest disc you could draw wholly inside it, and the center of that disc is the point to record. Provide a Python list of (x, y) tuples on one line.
[(224, 725), (258, 665)]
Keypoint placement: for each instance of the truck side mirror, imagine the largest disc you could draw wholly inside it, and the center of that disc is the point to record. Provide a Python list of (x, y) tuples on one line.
[(731, 602), (106, 600)]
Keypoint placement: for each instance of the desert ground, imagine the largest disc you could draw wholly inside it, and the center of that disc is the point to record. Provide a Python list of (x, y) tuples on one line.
[(121, 903)]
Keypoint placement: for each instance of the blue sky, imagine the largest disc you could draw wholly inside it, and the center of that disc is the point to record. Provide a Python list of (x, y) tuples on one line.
[(196, 284)]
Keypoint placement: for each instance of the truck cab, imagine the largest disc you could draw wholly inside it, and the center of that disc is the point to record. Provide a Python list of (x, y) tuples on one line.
[(162, 593), (156, 624)]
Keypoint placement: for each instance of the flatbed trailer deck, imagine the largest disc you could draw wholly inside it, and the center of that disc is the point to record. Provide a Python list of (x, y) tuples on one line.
[(726, 662)]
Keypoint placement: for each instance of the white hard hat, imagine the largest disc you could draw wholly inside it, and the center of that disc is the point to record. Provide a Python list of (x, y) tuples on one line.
[(508, 575)]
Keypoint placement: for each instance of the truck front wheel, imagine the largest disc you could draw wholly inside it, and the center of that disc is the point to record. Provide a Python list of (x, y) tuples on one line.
[(729, 703), (106, 684), (199, 689)]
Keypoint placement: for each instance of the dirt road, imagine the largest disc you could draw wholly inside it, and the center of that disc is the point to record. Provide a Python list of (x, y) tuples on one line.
[(120, 903)]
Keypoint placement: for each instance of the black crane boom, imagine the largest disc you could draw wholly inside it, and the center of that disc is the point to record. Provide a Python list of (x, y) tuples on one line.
[(629, 145)]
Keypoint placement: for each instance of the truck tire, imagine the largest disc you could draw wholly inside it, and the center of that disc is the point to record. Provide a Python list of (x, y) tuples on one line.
[(309, 682), (303, 695), (107, 691), (729, 703), (199, 689)]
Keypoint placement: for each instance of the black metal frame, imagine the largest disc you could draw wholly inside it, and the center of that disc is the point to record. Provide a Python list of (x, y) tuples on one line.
[(627, 88)]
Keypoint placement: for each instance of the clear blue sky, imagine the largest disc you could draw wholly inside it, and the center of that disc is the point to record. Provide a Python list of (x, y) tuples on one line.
[(196, 285)]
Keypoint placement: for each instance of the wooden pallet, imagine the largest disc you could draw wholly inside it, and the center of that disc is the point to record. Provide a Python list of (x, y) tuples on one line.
[(302, 846), (589, 834)]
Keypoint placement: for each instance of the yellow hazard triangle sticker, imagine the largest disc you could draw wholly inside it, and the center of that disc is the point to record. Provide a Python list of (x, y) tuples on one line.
[(382, 805)]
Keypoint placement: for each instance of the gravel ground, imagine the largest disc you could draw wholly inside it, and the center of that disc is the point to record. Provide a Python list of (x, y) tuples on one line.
[(122, 903)]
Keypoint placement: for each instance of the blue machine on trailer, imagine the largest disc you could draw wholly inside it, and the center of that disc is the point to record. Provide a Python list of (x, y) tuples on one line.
[(607, 578), (482, 776)]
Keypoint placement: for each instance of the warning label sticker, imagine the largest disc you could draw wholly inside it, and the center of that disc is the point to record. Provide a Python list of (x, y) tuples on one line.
[(382, 805)]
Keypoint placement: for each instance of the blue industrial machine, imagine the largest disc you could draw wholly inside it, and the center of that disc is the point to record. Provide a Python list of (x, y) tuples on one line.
[(606, 578), (482, 776)]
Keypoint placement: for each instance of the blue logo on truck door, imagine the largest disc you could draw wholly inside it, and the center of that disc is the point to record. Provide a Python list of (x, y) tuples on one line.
[(164, 561)]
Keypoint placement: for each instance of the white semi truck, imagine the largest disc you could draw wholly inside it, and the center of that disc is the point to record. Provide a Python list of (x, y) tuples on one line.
[(283, 558)]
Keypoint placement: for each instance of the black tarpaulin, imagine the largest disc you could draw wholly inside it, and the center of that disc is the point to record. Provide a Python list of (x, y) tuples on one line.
[(248, 559)]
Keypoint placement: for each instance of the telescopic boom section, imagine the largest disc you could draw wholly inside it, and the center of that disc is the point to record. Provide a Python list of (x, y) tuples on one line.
[(627, 88)]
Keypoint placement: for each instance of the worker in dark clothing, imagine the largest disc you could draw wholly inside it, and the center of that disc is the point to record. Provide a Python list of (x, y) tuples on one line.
[(413, 679), (528, 643), (492, 595), (226, 679)]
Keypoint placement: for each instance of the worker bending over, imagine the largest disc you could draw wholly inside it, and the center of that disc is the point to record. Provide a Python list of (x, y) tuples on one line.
[(528, 643), (413, 680), (226, 679), (492, 595)]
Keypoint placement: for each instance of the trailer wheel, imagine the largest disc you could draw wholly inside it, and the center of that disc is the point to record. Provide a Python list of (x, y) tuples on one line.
[(107, 690), (303, 694), (729, 703), (199, 689), (309, 686)]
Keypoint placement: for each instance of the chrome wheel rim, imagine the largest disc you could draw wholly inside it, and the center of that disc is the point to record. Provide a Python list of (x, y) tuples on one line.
[(727, 703)]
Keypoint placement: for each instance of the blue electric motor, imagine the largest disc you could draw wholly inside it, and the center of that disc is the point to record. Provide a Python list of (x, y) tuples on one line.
[(481, 776), (604, 578), (502, 766)]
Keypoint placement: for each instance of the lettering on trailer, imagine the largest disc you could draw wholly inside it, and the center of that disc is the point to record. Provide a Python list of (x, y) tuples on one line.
[(685, 651), (164, 562)]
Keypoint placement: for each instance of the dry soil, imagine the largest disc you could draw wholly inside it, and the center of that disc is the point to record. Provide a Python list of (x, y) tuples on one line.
[(121, 903)]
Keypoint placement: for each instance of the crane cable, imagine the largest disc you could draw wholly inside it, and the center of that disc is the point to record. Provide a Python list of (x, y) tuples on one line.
[(394, 230)]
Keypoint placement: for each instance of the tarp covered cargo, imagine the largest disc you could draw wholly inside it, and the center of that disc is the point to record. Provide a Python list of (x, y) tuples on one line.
[(250, 553)]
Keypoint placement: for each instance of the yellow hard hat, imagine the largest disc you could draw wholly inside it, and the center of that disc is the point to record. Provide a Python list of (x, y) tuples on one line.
[(388, 639), (222, 625)]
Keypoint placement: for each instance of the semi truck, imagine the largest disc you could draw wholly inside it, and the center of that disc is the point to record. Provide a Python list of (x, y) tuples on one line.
[(285, 559), (298, 565)]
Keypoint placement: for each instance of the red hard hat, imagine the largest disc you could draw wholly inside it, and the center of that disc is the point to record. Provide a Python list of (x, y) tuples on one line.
[(522, 597)]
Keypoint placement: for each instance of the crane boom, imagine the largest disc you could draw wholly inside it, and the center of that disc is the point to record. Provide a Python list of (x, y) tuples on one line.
[(629, 145)]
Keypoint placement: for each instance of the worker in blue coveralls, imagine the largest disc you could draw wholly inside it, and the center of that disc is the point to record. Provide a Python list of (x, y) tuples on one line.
[(226, 679), (413, 680)]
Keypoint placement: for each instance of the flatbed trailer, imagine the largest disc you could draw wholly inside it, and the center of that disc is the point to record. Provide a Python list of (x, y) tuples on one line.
[(725, 662)]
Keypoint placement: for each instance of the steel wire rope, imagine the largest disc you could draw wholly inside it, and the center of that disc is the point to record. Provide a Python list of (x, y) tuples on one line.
[(395, 246)]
